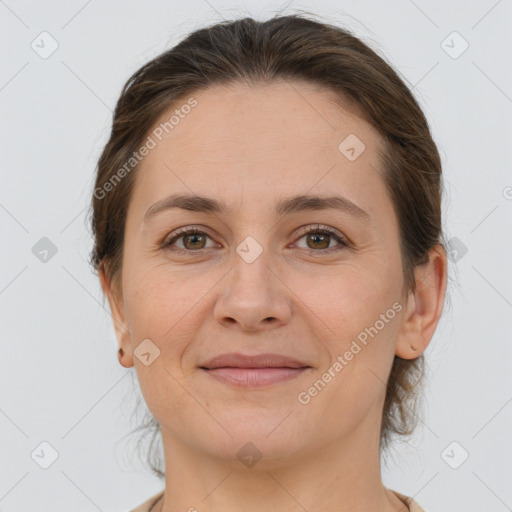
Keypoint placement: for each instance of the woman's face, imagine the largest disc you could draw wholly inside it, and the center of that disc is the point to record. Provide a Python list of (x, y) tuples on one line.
[(254, 281)]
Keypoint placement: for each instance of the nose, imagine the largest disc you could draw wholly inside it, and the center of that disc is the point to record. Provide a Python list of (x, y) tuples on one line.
[(253, 296)]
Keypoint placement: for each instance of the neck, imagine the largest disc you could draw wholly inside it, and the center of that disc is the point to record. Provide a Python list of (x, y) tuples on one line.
[(343, 476)]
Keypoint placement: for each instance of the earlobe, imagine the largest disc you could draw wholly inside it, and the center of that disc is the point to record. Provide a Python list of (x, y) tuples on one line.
[(118, 317), (424, 306), (120, 356)]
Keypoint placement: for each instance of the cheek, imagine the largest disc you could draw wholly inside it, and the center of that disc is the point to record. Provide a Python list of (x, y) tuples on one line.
[(363, 326), (162, 306), (356, 319), (346, 301)]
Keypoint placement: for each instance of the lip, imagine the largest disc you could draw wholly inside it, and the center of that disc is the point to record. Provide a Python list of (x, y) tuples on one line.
[(254, 377), (259, 361), (245, 371)]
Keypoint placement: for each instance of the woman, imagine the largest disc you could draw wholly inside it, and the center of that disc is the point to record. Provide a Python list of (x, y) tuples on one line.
[(267, 227)]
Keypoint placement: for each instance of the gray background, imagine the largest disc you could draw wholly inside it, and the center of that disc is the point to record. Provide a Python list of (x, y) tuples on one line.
[(60, 380)]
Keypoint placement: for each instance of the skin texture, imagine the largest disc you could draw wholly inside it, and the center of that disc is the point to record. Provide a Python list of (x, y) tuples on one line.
[(250, 146)]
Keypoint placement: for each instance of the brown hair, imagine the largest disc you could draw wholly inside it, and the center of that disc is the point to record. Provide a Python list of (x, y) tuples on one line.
[(290, 47)]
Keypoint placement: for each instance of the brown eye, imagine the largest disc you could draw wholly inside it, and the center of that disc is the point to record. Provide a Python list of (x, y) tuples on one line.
[(192, 239), (319, 238)]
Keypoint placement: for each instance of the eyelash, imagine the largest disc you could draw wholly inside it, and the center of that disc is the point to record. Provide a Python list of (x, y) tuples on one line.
[(344, 243)]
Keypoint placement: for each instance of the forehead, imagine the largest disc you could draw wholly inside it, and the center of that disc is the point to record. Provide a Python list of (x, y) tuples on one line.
[(268, 113), (260, 140)]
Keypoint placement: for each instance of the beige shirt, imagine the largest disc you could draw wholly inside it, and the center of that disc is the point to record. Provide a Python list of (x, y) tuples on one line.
[(144, 507)]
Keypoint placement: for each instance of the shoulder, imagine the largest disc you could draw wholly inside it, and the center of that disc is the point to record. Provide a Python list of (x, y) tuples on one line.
[(413, 506), (144, 507)]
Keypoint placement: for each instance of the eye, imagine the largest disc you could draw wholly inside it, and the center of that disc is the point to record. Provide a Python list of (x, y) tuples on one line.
[(318, 238), (192, 238)]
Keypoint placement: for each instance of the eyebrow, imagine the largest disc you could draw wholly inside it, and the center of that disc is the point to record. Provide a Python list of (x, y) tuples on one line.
[(296, 204)]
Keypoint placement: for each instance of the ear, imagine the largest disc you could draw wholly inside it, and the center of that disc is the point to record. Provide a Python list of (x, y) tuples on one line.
[(115, 299), (424, 306)]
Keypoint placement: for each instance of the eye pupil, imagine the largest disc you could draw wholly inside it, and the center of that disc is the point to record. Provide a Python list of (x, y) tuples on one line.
[(195, 237), (316, 237)]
